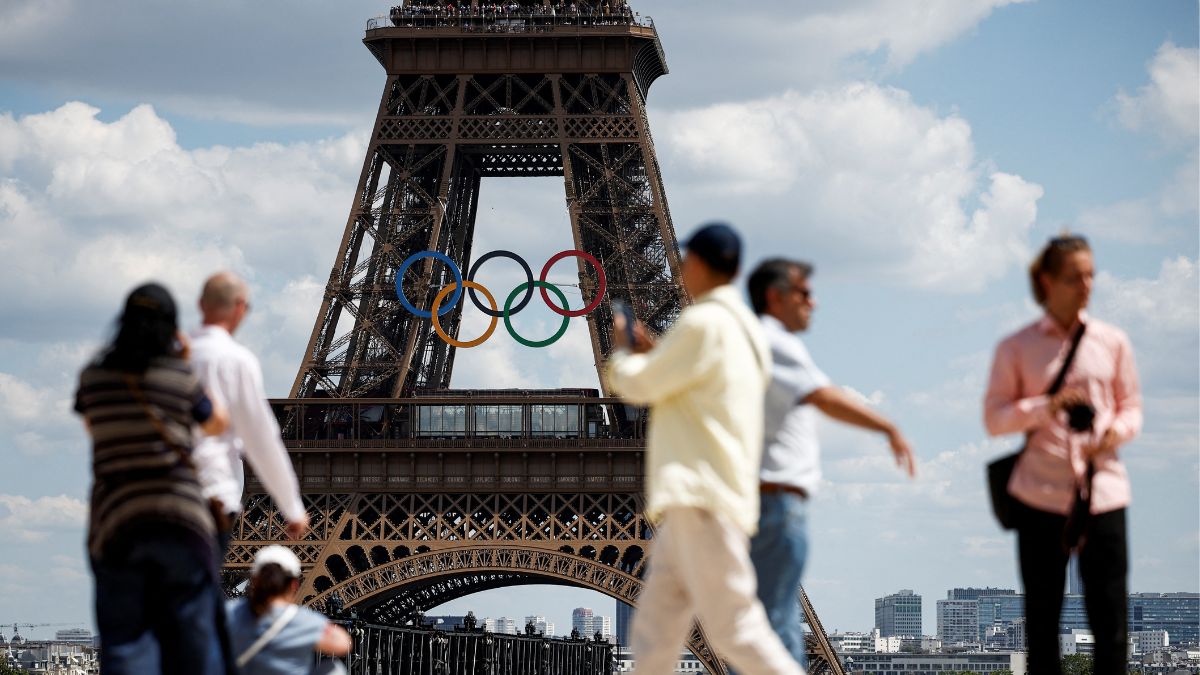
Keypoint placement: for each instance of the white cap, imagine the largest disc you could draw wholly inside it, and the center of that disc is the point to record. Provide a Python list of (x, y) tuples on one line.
[(278, 555)]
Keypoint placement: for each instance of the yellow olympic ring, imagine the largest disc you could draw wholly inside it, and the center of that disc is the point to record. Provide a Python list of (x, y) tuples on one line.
[(437, 326)]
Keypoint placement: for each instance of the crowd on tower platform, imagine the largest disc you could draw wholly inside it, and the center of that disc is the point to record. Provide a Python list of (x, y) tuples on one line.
[(512, 15)]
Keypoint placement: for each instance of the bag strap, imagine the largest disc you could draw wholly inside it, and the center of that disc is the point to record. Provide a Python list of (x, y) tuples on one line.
[(1062, 372), (750, 339), (263, 640)]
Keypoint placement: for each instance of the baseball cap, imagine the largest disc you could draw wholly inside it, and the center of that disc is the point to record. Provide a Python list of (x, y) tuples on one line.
[(718, 245), (278, 555)]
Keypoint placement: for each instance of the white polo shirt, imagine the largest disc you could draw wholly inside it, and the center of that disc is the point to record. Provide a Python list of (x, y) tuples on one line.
[(791, 453)]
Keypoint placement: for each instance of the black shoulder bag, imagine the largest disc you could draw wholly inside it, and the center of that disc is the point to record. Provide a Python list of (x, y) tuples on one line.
[(1000, 471)]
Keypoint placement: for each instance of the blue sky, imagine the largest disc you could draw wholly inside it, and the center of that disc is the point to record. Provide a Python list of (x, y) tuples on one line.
[(916, 152)]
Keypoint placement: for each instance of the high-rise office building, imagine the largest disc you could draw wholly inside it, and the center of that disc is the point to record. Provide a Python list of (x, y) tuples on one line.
[(581, 620), (1074, 576), (540, 624), (898, 614), (976, 593), (958, 621), (588, 623), (997, 611), (624, 620), (503, 625), (1176, 613)]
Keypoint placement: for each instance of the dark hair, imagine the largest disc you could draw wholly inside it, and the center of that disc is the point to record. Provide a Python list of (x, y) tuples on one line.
[(270, 582), (1050, 260), (145, 330), (773, 273)]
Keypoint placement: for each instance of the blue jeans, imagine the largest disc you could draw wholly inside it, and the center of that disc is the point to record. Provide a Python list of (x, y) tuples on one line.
[(156, 605), (778, 552)]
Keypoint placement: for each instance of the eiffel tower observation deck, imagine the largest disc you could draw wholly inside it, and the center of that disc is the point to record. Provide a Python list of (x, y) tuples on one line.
[(420, 494)]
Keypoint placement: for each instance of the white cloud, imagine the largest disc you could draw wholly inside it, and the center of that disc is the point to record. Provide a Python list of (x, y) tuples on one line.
[(1169, 105), (34, 519), (1163, 308), (864, 165), (91, 208)]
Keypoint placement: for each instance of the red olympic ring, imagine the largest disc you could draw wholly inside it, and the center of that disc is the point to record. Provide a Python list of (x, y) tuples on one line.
[(599, 291)]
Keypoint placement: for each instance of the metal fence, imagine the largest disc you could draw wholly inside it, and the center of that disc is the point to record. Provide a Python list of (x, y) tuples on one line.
[(385, 650), (506, 22)]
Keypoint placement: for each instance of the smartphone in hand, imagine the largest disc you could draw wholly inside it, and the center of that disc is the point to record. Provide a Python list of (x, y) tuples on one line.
[(619, 307)]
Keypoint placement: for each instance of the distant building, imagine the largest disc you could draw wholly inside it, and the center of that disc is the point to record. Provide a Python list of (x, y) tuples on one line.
[(1176, 613), (934, 664), (540, 624), (587, 622), (1074, 576), (80, 636), (958, 621), (1076, 642), (445, 621), (581, 620), (853, 642), (898, 614), (976, 593), (503, 625), (999, 610), (624, 621), (1149, 641)]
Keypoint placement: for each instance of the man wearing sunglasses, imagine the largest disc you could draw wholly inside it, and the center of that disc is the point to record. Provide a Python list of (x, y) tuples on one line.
[(782, 297)]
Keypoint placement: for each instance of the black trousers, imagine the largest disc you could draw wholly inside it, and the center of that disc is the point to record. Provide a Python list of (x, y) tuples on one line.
[(1104, 566)]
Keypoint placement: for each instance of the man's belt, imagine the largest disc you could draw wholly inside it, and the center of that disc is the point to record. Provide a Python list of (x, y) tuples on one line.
[(776, 488)]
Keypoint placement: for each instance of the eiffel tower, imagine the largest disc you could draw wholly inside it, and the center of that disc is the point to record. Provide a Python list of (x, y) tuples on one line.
[(420, 494)]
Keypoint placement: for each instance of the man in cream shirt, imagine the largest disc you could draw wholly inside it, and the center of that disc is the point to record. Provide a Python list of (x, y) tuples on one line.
[(704, 382), (232, 374)]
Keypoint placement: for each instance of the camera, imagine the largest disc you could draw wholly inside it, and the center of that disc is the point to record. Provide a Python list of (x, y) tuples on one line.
[(1080, 416)]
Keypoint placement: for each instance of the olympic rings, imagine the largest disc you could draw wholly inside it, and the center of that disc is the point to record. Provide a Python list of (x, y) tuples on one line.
[(425, 314), (470, 285), (528, 276), (561, 329), (599, 291), (437, 326)]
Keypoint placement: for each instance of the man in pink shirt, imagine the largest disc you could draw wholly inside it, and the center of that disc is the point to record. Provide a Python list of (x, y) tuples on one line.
[(1054, 465)]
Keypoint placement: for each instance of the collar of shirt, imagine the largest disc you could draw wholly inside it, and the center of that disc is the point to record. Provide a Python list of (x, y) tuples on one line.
[(1048, 326)]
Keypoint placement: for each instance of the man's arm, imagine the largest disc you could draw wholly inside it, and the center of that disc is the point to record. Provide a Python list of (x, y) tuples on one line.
[(842, 407), (672, 365), (255, 423)]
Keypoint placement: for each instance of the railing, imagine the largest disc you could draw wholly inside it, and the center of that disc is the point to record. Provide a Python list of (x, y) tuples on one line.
[(534, 420), (481, 21), (385, 650)]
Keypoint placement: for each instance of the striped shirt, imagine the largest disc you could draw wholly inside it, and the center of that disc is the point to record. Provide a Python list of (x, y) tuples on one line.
[(137, 479)]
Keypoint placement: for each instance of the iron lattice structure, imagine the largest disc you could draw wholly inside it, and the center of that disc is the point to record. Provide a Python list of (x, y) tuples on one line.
[(419, 494)]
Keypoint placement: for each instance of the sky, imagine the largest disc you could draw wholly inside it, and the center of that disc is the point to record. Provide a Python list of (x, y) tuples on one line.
[(917, 152)]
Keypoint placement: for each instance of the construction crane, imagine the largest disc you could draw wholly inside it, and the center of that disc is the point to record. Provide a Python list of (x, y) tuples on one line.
[(16, 634)]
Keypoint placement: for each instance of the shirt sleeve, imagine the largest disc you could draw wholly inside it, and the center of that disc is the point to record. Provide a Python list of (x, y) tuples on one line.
[(1004, 409), (683, 356), (1127, 395), (795, 372), (264, 450)]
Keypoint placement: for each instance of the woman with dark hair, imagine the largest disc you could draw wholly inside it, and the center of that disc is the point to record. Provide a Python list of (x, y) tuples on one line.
[(150, 534), (1068, 382), (271, 634)]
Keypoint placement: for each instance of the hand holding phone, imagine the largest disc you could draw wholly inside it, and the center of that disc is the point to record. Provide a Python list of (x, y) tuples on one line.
[(623, 310)]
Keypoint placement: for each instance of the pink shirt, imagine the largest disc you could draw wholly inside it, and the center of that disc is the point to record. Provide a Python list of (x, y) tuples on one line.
[(1025, 365)]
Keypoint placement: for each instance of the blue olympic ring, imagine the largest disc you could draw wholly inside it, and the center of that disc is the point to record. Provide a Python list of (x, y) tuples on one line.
[(454, 298)]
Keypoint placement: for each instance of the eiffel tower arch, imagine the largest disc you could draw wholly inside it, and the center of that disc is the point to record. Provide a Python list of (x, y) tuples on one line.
[(420, 494)]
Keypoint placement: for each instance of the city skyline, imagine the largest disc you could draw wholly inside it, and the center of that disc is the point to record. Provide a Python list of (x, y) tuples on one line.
[(916, 153)]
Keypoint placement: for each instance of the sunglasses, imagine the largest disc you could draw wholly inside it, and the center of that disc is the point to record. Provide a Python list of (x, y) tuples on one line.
[(1069, 240)]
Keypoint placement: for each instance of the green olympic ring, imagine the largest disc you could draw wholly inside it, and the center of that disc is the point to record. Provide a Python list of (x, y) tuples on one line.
[(566, 320)]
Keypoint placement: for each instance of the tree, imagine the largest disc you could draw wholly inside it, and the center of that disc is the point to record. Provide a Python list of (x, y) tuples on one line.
[(6, 669), (1077, 664)]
